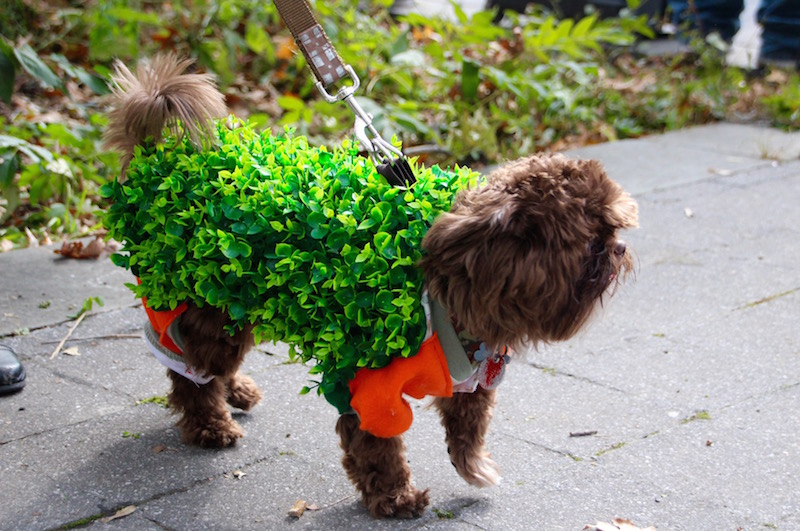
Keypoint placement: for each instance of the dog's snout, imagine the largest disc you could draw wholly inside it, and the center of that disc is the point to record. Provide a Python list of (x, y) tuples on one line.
[(619, 248)]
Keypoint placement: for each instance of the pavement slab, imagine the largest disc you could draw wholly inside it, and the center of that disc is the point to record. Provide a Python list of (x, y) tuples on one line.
[(674, 408)]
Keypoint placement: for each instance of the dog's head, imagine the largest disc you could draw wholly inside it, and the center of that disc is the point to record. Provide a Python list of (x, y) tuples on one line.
[(526, 257)]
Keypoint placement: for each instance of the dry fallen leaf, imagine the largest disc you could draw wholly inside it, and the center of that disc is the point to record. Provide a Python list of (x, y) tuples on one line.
[(125, 511), (32, 240), (778, 77), (157, 449), (721, 171), (71, 351), (286, 49), (94, 249), (617, 524), (298, 509)]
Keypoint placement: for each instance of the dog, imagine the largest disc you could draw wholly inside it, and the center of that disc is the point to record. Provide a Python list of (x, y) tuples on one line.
[(523, 258)]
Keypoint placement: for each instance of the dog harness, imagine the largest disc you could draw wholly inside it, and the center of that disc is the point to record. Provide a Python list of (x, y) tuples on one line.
[(448, 361), (164, 339)]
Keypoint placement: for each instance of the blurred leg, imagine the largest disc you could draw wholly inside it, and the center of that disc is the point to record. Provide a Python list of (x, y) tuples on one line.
[(781, 22), (708, 16)]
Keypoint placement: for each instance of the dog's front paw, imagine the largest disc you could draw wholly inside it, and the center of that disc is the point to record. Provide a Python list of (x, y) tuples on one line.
[(243, 393), (479, 470), (219, 434), (406, 503)]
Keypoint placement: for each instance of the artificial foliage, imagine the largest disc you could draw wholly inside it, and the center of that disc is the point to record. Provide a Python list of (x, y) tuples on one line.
[(311, 246)]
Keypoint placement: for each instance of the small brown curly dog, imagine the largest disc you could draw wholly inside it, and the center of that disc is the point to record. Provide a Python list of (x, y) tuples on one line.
[(521, 260)]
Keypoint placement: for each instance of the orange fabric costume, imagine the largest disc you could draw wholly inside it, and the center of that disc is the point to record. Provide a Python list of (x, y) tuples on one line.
[(377, 394), (161, 322)]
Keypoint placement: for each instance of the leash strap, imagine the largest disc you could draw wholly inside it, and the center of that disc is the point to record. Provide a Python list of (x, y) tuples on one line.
[(317, 48), (329, 68)]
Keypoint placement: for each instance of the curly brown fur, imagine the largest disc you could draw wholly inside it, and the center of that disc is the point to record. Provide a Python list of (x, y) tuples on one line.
[(466, 417), (528, 256), (209, 348), (158, 95), (379, 470)]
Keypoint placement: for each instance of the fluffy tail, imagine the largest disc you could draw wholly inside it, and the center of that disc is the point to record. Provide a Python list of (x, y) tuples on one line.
[(159, 95)]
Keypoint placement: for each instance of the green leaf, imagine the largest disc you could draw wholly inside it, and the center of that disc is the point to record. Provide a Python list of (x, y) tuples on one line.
[(87, 306), (238, 311), (30, 61), (258, 40), (120, 260), (7, 73), (582, 28), (291, 103), (95, 83), (367, 224), (134, 15), (364, 299), (36, 153), (470, 79), (394, 322), (283, 250), (8, 169)]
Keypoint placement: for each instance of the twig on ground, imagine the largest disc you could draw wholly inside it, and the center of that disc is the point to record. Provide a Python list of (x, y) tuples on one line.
[(72, 329), (93, 338)]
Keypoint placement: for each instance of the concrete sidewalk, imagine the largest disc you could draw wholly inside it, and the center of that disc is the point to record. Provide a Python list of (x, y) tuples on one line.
[(690, 382)]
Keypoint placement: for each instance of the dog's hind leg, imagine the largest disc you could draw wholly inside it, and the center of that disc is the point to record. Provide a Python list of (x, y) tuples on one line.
[(466, 417), (210, 350), (205, 420), (378, 468), (243, 392)]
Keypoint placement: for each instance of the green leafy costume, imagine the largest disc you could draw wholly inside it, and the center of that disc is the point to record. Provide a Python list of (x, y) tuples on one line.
[(313, 247)]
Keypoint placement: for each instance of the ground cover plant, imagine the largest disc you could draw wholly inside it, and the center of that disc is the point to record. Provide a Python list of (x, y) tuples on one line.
[(454, 91)]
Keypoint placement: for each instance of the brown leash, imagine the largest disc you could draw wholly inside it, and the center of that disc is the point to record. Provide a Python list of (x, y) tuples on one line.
[(328, 69)]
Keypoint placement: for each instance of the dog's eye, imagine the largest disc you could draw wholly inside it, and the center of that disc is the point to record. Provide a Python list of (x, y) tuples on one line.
[(595, 248)]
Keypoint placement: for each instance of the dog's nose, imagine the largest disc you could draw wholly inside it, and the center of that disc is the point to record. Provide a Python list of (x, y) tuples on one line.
[(619, 248)]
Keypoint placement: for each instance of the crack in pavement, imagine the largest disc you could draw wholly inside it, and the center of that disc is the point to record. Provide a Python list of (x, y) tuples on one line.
[(556, 372)]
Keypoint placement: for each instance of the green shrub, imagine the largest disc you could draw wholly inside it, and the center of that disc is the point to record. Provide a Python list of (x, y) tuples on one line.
[(313, 247)]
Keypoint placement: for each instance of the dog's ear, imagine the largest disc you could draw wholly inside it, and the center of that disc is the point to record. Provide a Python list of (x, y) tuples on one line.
[(619, 209), (623, 212)]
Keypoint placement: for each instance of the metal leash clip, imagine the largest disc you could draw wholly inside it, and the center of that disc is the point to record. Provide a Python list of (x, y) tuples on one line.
[(389, 161), (328, 69)]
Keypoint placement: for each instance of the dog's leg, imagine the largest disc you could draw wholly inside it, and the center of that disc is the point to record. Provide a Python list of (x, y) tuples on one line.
[(379, 470), (209, 349), (465, 417), (205, 420), (243, 392)]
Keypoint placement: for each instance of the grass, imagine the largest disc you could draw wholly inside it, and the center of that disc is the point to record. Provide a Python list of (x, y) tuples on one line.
[(160, 400), (82, 522), (700, 415)]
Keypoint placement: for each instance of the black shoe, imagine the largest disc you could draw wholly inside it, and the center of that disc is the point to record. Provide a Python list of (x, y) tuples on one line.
[(12, 373)]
